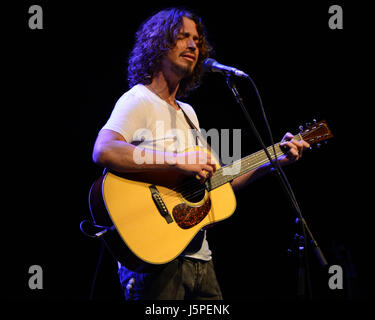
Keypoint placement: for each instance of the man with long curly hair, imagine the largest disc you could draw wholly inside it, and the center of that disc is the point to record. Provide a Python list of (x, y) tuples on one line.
[(165, 63)]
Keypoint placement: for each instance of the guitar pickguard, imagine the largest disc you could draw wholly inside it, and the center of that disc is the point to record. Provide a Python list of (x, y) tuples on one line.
[(187, 216)]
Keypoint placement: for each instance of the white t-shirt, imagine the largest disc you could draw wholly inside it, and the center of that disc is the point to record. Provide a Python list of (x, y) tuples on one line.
[(142, 117)]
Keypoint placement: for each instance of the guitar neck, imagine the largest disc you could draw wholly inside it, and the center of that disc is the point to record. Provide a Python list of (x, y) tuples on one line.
[(240, 167)]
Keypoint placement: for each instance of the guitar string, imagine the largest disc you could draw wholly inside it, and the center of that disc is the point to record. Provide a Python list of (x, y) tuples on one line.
[(172, 200), (258, 157), (219, 181), (243, 162), (254, 159)]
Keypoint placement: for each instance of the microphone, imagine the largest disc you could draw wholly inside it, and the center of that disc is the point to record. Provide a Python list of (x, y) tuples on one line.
[(214, 66)]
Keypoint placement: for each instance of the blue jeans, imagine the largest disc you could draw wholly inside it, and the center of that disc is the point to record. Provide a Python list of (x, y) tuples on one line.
[(180, 279)]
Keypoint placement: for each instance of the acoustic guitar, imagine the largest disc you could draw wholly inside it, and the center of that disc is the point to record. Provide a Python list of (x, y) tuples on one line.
[(151, 218)]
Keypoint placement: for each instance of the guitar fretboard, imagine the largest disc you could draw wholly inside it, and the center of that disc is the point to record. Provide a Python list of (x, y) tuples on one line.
[(238, 168)]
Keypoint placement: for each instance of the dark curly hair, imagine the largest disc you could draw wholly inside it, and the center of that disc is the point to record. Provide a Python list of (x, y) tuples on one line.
[(155, 37)]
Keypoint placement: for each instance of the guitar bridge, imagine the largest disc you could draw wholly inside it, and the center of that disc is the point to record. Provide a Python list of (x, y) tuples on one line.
[(163, 210)]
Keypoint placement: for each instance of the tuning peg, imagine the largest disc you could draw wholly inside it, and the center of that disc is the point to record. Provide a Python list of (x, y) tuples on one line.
[(300, 128), (314, 120), (318, 145), (308, 124)]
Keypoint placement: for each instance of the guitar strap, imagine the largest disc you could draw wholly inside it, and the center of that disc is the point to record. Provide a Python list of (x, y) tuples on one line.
[(196, 132)]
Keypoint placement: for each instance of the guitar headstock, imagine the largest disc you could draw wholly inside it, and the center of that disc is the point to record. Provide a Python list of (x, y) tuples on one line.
[(316, 132)]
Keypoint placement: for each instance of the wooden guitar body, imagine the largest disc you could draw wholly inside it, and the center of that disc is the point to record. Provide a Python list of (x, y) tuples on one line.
[(136, 204)]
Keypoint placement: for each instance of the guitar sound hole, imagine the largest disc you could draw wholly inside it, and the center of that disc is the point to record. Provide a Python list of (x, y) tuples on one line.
[(192, 190)]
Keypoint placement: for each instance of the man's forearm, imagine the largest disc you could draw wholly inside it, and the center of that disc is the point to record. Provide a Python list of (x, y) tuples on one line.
[(249, 177), (124, 157)]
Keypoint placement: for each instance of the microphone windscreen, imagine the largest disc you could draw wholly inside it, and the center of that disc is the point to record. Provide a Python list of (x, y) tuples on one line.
[(207, 64)]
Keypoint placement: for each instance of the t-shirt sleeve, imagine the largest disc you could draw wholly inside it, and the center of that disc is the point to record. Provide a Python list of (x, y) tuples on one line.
[(127, 116)]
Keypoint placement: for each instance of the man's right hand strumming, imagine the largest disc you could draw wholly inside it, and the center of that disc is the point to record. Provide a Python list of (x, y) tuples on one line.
[(197, 163)]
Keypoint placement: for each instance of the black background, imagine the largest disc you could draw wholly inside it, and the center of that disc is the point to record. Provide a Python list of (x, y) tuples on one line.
[(65, 79)]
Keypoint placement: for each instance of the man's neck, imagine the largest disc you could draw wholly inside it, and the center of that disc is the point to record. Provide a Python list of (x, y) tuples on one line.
[(165, 89)]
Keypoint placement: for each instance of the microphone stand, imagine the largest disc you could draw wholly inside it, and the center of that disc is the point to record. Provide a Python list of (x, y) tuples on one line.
[(304, 281)]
